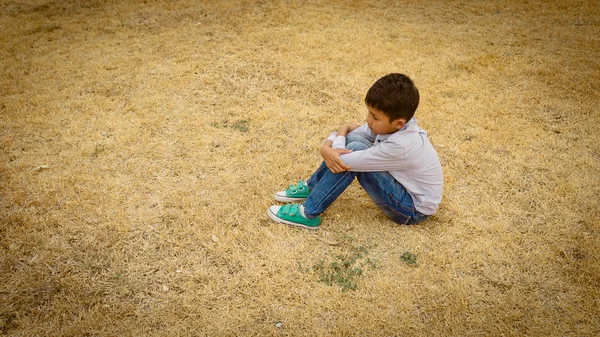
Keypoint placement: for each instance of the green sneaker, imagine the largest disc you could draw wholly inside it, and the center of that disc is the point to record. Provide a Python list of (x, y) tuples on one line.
[(295, 193), (291, 215)]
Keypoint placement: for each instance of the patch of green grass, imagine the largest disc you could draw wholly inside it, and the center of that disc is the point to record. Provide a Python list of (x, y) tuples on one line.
[(98, 149), (345, 269), (240, 125), (409, 258)]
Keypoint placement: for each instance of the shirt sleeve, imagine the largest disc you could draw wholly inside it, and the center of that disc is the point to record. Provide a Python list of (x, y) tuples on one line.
[(386, 156), (339, 142)]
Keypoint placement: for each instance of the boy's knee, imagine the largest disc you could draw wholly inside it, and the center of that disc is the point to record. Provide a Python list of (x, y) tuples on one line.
[(357, 142), (352, 138), (356, 146)]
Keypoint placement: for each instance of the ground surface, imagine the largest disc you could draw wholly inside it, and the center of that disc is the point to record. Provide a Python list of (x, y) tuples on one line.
[(141, 142)]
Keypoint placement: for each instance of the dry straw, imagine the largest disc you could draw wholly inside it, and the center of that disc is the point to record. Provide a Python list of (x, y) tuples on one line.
[(141, 142)]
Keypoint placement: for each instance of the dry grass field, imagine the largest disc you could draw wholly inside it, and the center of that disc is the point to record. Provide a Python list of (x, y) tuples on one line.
[(141, 143)]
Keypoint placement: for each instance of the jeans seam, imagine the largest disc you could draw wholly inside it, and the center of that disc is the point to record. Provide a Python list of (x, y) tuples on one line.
[(314, 174), (391, 196), (330, 191), (409, 218)]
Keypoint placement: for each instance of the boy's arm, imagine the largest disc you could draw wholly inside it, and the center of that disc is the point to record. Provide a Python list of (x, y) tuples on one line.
[(332, 158), (339, 137), (387, 156), (331, 155), (346, 129)]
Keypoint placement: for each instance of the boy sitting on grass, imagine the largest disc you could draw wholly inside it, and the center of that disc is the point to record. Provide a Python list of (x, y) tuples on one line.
[(390, 156)]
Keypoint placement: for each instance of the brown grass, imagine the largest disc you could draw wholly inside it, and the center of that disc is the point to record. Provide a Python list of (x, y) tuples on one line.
[(141, 142)]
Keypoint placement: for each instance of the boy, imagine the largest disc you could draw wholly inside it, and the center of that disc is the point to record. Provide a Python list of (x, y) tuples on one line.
[(389, 155)]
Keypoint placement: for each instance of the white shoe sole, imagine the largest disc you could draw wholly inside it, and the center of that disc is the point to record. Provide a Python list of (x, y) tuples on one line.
[(284, 198), (275, 218)]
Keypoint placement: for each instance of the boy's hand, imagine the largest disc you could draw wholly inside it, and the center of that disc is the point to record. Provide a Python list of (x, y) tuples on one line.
[(346, 129), (332, 158)]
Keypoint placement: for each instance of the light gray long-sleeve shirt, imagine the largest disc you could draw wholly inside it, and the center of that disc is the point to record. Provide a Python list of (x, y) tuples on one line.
[(408, 156)]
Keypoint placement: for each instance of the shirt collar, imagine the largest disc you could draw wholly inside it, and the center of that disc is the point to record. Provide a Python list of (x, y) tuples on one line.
[(411, 122)]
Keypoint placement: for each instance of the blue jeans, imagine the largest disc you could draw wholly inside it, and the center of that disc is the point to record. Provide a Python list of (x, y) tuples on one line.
[(388, 194)]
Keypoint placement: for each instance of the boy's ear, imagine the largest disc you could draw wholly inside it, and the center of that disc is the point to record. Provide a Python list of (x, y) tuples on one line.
[(399, 123)]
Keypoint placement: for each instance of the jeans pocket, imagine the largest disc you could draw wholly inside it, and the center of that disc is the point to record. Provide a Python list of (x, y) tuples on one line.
[(397, 217), (397, 211)]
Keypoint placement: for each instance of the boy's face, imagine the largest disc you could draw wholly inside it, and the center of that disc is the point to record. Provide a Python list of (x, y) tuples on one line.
[(380, 124)]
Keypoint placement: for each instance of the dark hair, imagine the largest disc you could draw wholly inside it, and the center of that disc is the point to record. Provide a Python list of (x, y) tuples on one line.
[(395, 95)]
